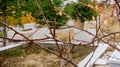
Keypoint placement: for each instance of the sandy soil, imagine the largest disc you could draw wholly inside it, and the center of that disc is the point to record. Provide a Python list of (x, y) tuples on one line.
[(36, 57)]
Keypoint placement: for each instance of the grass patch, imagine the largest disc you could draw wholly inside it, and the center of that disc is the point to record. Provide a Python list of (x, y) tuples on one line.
[(1, 34), (14, 52), (75, 55), (51, 48)]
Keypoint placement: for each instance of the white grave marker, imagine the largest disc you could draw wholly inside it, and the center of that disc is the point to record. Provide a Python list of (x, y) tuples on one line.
[(115, 58), (82, 36)]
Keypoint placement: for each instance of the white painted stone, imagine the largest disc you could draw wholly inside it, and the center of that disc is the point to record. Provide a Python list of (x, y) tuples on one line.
[(44, 32), (70, 23), (95, 55), (50, 42), (1, 29), (17, 36), (1, 44), (82, 36), (10, 46), (41, 33), (29, 26), (18, 28), (101, 62), (115, 58)]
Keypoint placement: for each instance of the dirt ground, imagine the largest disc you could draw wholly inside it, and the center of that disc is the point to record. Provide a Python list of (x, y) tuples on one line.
[(33, 56)]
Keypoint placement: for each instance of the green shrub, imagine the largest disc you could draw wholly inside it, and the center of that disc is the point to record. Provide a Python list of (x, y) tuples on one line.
[(15, 52), (78, 10)]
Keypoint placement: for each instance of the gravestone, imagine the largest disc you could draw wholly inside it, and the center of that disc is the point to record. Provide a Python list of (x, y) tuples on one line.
[(90, 60), (82, 36), (115, 58), (41, 33), (10, 34), (70, 23), (18, 28), (29, 26)]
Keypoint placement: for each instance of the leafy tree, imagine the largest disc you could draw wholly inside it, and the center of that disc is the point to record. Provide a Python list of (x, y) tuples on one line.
[(78, 10), (9, 8), (50, 13)]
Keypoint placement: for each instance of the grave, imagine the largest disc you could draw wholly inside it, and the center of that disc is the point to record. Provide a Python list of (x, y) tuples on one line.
[(41, 33), (45, 32), (115, 58), (83, 37), (70, 23), (10, 46), (29, 26), (10, 34), (90, 60)]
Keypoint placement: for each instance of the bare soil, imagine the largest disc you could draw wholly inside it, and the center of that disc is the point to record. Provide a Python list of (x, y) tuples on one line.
[(37, 57)]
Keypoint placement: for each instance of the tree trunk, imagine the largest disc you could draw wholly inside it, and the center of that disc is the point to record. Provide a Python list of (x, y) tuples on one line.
[(4, 29)]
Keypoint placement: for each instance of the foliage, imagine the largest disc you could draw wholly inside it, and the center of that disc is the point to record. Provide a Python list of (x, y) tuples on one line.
[(11, 11), (50, 13), (78, 10), (18, 8), (12, 21), (28, 18), (1, 19), (11, 7), (30, 6)]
